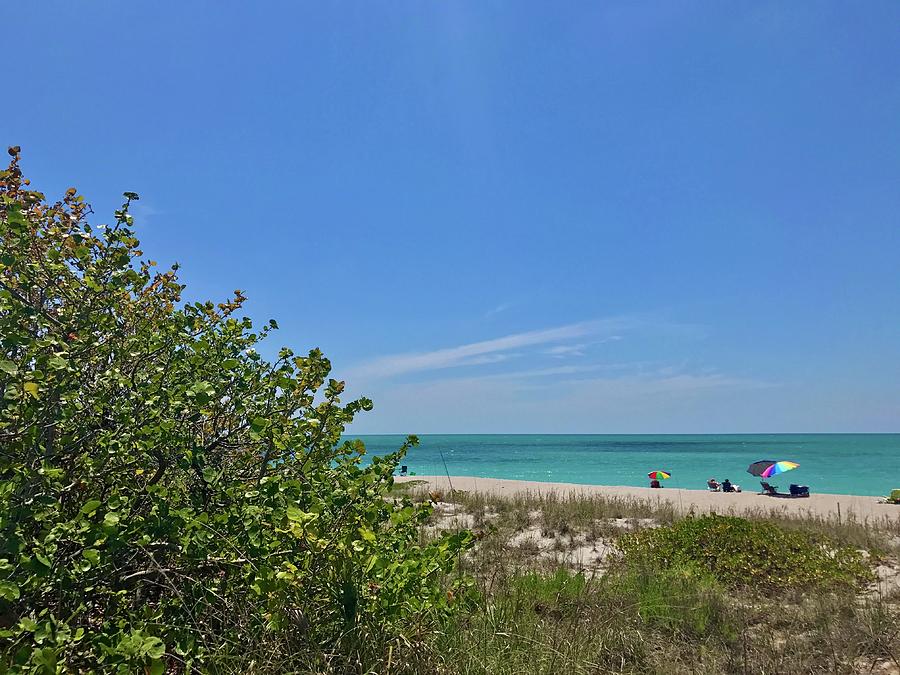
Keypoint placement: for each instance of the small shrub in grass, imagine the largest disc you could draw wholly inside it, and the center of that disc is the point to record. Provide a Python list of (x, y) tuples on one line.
[(747, 553), (408, 486)]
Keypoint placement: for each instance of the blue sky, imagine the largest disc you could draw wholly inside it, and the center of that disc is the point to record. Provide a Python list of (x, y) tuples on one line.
[(508, 216)]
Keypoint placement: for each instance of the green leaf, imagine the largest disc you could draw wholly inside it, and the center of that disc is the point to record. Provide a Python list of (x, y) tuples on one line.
[(157, 667), (9, 367), (41, 558), (57, 362), (153, 647), (9, 591), (31, 388), (91, 506), (45, 657), (111, 518), (204, 387), (92, 555), (367, 534), (202, 392)]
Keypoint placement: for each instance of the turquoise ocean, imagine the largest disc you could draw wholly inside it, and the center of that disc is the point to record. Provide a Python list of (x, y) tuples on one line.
[(862, 464)]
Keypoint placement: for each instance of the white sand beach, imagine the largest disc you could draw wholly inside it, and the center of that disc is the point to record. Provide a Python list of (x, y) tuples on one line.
[(824, 505)]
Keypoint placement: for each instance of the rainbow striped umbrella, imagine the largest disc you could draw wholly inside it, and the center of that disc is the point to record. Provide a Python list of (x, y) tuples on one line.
[(768, 468), (656, 475)]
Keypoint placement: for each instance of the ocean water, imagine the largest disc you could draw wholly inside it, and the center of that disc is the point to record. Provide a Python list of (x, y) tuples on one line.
[(862, 464)]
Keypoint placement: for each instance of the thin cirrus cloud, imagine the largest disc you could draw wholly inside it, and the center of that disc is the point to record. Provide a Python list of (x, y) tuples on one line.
[(486, 351), (549, 382), (494, 311), (564, 351), (561, 351)]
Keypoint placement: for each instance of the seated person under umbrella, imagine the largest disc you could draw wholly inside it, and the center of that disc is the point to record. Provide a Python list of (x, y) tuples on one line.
[(654, 477)]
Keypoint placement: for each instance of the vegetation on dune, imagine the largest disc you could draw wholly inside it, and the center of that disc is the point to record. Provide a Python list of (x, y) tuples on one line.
[(535, 612), (664, 622), (171, 498), (744, 553)]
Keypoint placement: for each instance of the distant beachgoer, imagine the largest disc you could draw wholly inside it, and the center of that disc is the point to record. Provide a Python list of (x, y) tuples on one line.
[(655, 483), (727, 486), (713, 485)]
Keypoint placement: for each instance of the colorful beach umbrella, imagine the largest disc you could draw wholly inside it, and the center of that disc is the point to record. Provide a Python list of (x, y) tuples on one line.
[(767, 468), (656, 475), (779, 467)]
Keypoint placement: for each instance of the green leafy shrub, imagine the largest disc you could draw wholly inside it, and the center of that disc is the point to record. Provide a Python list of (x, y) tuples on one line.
[(168, 496), (743, 553)]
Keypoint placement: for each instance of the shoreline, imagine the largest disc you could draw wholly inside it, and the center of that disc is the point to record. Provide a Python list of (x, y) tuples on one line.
[(861, 507)]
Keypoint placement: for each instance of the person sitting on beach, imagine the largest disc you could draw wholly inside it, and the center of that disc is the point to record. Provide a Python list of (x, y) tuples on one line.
[(655, 483), (727, 486), (713, 485)]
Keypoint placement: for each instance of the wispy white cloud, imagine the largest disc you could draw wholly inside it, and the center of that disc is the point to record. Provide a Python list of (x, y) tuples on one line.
[(561, 351), (551, 372), (564, 351), (502, 307), (646, 376), (665, 383), (487, 359), (498, 349), (144, 211), (554, 379)]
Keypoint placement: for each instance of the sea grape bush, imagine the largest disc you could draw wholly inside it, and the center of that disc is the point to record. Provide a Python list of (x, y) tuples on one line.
[(743, 553), (169, 498)]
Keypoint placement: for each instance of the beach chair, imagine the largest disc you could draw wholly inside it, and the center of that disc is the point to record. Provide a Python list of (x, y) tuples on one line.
[(796, 492), (799, 490)]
